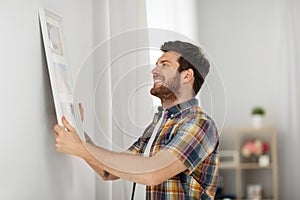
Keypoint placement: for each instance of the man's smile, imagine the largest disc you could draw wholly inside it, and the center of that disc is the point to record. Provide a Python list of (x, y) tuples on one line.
[(158, 79)]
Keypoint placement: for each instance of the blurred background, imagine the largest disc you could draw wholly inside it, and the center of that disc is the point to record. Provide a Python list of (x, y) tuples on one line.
[(253, 48)]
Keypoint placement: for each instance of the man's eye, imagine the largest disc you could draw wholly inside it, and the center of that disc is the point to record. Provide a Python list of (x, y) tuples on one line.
[(162, 65)]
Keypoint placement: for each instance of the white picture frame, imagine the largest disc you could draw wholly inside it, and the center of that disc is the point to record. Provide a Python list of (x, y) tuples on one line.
[(60, 73)]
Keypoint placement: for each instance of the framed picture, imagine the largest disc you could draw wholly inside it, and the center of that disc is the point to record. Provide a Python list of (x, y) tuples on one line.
[(59, 70)]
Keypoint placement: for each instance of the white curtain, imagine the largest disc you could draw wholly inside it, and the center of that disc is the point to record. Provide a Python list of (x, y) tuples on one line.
[(122, 78), (289, 138)]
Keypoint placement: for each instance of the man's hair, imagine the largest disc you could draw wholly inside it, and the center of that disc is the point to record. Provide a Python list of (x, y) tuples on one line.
[(192, 57)]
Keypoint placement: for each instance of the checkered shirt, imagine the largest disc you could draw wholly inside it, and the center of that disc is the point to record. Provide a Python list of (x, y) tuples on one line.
[(191, 135)]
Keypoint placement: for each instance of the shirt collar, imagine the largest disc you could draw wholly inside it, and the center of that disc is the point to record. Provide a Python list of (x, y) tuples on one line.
[(179, 108)]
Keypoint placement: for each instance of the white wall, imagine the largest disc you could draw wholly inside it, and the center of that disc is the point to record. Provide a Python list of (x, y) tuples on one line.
[(245, 39), (30, 167)]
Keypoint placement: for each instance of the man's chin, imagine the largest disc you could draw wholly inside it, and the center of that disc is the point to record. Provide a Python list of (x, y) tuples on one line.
[(153, 91), (158, 91), (163, 94)]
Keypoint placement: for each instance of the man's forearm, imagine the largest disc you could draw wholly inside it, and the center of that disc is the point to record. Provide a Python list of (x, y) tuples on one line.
[(144, 170), (102, 160), (94, 164), (103, 174)]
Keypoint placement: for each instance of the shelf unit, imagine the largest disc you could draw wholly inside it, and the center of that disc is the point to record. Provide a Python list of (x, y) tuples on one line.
[(238, 174)]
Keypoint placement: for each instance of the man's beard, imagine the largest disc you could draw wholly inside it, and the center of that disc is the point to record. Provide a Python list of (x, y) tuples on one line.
[(169, 91)]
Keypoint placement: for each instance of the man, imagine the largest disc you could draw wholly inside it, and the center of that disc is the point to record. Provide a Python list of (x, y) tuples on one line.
[(177, 155)]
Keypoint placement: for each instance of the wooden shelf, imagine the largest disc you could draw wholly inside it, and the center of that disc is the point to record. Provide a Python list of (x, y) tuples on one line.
[(239, 173)]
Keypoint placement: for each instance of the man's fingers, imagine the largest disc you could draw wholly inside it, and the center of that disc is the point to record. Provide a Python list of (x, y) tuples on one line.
[(67, 124), (81, 110), (58, 129)]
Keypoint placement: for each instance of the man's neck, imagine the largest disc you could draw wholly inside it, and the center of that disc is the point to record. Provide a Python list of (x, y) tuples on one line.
[(168, 104)]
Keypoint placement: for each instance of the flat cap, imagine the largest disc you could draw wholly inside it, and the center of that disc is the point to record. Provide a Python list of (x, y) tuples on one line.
[(191, 53)]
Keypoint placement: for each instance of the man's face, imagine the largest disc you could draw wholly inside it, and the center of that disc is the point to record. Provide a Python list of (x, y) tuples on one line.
[(166, 77)]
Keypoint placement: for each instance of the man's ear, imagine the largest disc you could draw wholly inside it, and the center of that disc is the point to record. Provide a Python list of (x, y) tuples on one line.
[(187, 75)]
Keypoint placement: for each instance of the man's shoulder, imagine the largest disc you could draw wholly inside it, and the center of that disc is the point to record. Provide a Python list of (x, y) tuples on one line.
[(197, 113), (197, 117)]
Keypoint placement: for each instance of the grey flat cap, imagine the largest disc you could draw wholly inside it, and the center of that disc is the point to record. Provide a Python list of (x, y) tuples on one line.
[(191, 53)]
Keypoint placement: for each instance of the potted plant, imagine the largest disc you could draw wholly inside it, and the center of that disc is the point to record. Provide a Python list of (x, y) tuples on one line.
[(257, 116)]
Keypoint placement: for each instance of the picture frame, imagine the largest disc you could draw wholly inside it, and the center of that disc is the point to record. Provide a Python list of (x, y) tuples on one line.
[(60, 74)]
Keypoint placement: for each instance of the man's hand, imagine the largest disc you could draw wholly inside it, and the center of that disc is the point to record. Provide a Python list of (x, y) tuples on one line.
[(67, 141)]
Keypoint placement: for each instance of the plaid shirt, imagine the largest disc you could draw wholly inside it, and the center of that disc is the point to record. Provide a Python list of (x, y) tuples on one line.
[(191, 135)]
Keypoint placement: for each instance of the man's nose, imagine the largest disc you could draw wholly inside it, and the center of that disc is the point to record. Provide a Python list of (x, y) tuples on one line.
[(156, 69)]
